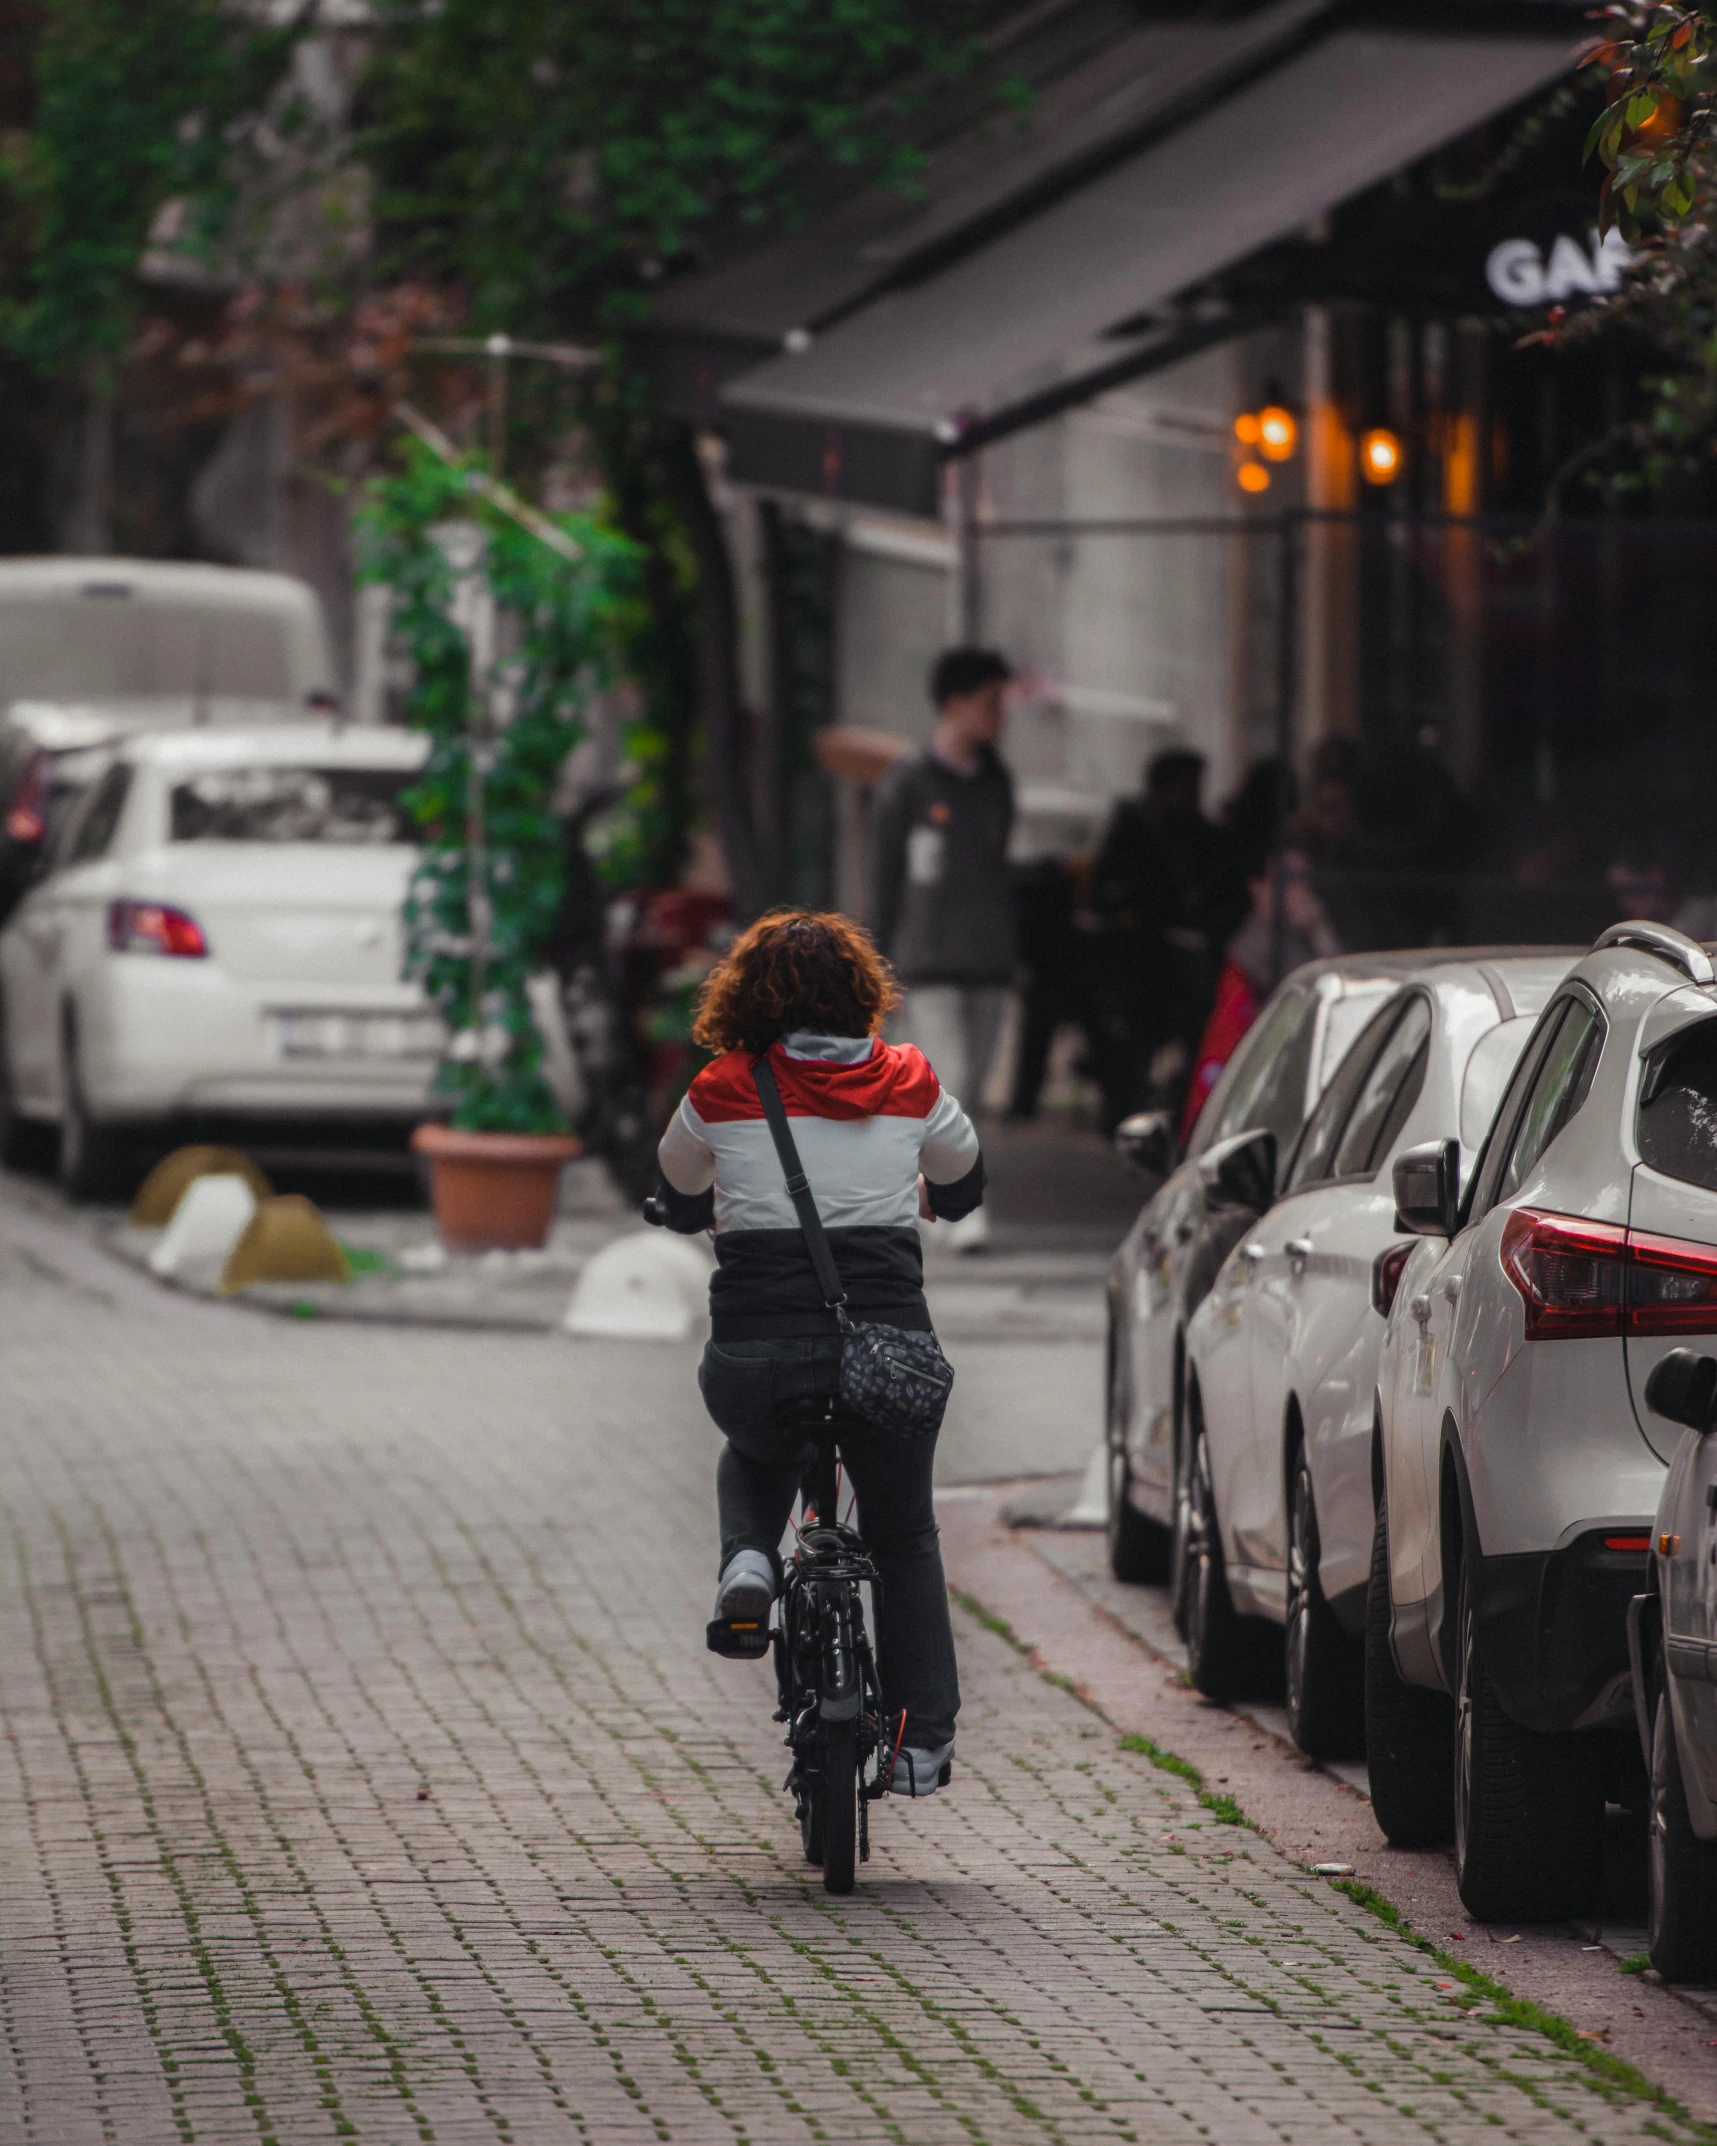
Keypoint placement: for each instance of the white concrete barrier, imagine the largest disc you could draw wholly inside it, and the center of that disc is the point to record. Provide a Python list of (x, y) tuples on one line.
[(651, 1286), (211, 1217)]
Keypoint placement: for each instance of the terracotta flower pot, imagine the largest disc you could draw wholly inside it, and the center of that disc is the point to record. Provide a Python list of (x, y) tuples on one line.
[(493, 1191)]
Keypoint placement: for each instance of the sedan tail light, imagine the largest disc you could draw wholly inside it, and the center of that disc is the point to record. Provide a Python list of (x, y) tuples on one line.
[(153, 928), (1386, 1272), (27, 819), (1580, 1279)]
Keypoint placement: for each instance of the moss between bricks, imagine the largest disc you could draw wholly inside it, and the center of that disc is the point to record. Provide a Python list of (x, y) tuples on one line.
[(1223, 1808), (1520, 2011), (1512, 2011)]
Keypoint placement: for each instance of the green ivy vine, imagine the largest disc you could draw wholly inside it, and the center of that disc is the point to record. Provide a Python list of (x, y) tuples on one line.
[(489, 879)]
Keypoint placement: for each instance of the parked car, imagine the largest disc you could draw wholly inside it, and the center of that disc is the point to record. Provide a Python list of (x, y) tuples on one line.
[(1671, 1630), (1170, 1256), (94, 649), (1282, 1354), (217, 936), (1519, 1463)]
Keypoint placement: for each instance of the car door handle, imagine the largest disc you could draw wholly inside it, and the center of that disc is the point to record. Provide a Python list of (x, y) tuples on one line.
[(1298, 1248), (1421, 1309)]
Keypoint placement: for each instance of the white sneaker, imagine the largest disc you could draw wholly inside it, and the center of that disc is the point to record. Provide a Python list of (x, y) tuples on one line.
[(970, 1234), (919, 1773), (746, 1589)]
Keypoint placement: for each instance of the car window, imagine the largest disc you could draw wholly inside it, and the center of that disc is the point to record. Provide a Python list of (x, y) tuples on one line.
[(293, 804), (1314, 1158), (1481, 1194), (1254, 1090), (1343, 1020), (1558, 1089), (1493, 1059), (1387, 1094), (95, 827), (1677, 1126)]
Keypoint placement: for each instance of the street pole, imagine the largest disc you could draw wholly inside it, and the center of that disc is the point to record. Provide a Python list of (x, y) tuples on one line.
[(1287, 658), (500, 349)]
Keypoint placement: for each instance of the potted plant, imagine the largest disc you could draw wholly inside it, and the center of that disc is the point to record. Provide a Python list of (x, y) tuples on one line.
[(509, 619)]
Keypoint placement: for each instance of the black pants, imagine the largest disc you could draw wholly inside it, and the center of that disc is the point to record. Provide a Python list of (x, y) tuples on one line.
[(758, 1478)]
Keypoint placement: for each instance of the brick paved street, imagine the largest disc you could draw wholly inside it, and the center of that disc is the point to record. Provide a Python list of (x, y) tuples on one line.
[(363, 1776)]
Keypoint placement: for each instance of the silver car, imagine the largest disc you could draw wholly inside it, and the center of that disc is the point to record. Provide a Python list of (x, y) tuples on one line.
[(1671, 1630)]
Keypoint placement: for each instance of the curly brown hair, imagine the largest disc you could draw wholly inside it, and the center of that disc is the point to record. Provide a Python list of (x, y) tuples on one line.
[(795, 969)]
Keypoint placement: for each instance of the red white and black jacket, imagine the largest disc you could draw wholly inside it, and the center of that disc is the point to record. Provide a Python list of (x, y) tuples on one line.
[(868, 1117)]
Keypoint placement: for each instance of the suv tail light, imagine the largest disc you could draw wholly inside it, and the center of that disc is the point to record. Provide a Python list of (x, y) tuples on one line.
[(1672, 1285), (1568, 1271), (152, 928), (1580, 1279)]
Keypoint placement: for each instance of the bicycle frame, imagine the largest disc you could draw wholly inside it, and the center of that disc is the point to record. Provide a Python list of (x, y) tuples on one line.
[(826, 1677)]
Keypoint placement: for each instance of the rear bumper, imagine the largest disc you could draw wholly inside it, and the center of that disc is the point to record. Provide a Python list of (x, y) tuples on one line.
[(168, 1039), (1553, 1631)]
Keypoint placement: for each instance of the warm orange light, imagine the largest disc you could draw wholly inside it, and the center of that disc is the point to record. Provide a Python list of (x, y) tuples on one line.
[(1380, 456), (1661, 124), (1253, 476), (1246, 428), (1278, 435)]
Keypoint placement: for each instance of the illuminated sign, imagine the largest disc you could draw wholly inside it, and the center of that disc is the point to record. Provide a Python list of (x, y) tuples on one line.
[(1523, 273)]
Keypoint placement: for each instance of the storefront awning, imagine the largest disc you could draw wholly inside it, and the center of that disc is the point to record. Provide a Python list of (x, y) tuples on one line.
[(1101, 83), (867, 411)]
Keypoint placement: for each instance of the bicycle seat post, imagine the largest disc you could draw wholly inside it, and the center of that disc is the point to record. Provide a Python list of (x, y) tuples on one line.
[(827, 1481)]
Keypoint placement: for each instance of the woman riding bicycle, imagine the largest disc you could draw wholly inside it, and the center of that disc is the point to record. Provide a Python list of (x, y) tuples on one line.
[(881, 1145)]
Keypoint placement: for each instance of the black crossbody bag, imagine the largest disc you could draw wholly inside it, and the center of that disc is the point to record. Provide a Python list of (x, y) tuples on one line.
[(895, 1380)]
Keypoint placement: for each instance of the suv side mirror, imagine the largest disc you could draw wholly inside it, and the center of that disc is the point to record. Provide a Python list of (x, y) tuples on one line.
[(1427, 1183), (1240, 1172), (1683, 1387), (1147, 1140)]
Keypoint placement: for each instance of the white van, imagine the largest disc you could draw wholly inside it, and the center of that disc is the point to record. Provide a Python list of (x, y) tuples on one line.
[(94, 649), (160, 643)]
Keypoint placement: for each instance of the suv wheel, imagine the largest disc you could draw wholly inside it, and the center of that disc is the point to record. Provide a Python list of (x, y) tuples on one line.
[(92, 1155), (1409, 1732), (1321, 1664), (1529, 1809), (1681, 1927), (1138, 1548), (1215, 1649)]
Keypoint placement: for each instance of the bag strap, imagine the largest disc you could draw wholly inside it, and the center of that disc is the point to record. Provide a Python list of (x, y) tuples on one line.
[(799, 1191)]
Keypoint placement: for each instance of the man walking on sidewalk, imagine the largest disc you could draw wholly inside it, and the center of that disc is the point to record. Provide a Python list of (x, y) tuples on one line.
[(940, 899)]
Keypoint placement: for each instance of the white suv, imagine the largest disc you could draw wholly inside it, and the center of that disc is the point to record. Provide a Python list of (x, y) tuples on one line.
[(1518, 1466)]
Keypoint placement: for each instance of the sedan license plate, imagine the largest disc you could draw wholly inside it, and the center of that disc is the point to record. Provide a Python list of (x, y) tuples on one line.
[(359, 1035)]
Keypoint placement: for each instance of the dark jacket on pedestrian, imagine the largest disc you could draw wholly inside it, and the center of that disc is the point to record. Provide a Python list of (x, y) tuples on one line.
[(940, 900)]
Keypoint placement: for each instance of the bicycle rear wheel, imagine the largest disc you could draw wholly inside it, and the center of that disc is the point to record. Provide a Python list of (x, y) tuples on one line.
[(840, 1805), (811, 1828)]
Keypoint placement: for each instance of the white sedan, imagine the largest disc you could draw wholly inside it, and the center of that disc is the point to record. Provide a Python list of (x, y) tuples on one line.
[(1282, 1354), (218, 938)]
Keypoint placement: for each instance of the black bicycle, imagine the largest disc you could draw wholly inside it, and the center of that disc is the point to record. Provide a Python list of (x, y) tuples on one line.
[(825, 1671)]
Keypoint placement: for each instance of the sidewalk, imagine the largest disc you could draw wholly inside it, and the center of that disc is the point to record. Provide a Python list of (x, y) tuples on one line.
[(1060, 1198), (1115, 1647)]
